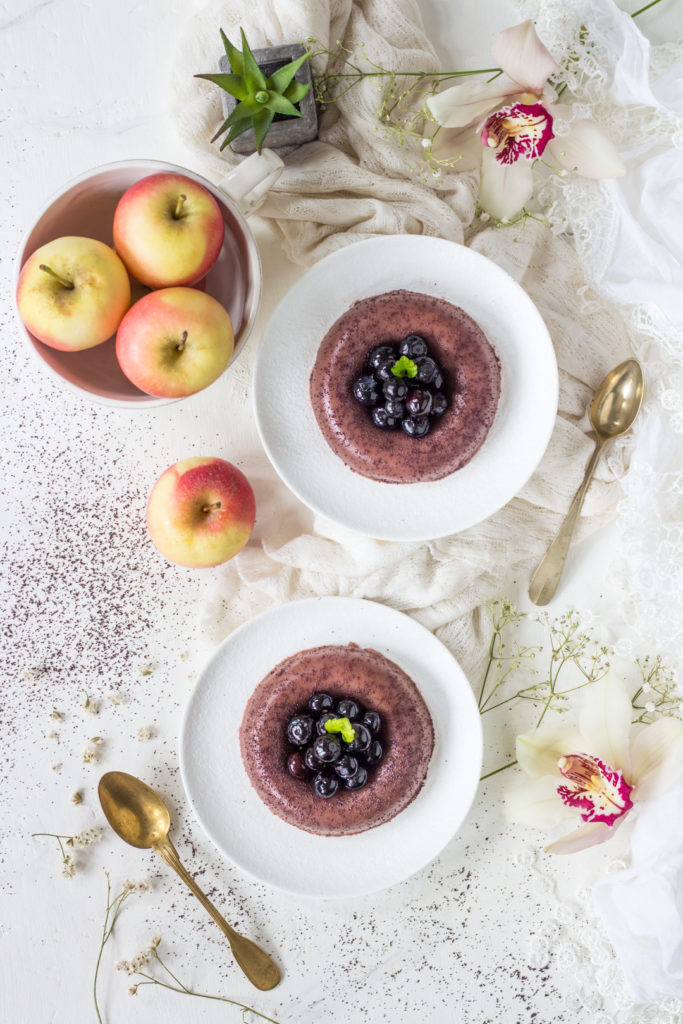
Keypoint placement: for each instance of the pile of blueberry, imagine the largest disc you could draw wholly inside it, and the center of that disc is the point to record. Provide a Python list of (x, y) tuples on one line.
[(328, 758), (402, 386)]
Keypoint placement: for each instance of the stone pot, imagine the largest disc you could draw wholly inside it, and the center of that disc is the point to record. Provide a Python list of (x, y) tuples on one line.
[(289, 131)]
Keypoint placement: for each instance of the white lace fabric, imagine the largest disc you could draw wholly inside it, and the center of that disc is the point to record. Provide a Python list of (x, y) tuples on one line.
[(610, 268)]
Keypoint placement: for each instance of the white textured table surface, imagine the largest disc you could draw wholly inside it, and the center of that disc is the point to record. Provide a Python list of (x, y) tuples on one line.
[(87, 603)]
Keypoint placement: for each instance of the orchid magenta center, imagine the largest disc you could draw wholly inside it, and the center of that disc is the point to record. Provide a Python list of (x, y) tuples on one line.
[(599, 791), (518, 130)]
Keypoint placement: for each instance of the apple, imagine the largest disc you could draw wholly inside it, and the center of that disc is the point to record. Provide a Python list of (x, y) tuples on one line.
[(201, 512), (174, 342), (73, 293), (168, 230)]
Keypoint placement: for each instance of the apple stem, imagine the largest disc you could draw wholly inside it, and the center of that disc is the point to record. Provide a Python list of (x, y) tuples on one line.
[(183, 339), (210, 508), (179, 206), (62, 280)]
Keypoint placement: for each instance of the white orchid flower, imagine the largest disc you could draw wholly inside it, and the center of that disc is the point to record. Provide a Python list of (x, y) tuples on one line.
[(599, 770), (503, 126)]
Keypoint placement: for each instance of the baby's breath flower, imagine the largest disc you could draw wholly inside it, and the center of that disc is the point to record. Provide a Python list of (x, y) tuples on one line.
[(87, 838), (117, 698), (91, 706), (146, 670), (77, 797), (68, 866), (133, 990), (92, 750), (56, 714), (145, 733)]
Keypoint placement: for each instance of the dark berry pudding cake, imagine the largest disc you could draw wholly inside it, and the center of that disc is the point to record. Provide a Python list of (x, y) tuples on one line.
[(405, 387), (336, 740)]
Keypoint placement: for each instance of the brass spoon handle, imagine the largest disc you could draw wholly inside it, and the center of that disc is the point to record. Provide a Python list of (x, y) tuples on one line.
[(259, 968), (545, 580)]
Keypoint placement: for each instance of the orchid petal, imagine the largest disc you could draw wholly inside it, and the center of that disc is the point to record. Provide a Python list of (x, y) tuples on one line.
[(460, 147), (523, 57), (586, 149), (605, 721), (657, 758), (583, 837), (504, 188), (466, 103), (535, 802), (539, 751)]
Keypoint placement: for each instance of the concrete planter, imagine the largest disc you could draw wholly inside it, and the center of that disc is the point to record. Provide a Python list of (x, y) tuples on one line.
[(290, 131)]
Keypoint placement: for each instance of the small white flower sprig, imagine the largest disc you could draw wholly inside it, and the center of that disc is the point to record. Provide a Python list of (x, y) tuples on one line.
[(113, 909), (146, 960), (76, 842)]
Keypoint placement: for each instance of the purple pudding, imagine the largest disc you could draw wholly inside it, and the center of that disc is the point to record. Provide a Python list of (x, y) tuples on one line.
[(471, 384), (346, 673)]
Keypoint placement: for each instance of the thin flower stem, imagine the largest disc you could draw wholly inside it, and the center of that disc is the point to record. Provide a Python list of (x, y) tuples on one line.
[(645, 8), (170, 972), (497, 770), (200, 995)]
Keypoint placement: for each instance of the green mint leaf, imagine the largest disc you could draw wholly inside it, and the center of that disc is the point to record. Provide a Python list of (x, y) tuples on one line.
[(404, 367), (343, 726)]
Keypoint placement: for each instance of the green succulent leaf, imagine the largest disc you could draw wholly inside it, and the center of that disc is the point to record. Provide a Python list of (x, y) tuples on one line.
[(296, 91), (262, 123), (246, 110), (280, 79), (404, 367), (234, 84), (253, 76), (236, 129), (280, 105), (234, 55)]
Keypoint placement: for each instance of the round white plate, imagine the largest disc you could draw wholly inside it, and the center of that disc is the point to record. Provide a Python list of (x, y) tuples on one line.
[(519, 434), (259, 842)]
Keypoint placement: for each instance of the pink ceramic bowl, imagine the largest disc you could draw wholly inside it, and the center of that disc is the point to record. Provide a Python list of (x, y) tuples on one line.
[(85, 206)]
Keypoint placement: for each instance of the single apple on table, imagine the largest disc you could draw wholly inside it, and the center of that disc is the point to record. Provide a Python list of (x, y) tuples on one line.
[(73, 293), (174, 342), (201, 512), (168, 230)]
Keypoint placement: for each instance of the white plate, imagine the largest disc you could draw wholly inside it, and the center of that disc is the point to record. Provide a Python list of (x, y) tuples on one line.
[(519, 434), (282, 855)]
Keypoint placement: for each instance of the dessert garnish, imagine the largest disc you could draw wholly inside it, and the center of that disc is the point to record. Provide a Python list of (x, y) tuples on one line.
[(402, 386), (336, 742)]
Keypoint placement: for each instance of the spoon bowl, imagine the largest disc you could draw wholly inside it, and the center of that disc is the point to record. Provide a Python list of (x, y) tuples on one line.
[(617, 400), (134, 810)]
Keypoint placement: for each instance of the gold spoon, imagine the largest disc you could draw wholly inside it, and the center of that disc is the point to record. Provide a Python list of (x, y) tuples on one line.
[(140, 817), (612, 412)]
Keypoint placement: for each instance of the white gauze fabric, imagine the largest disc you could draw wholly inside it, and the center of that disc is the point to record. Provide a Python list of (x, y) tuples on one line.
[(356, 181)]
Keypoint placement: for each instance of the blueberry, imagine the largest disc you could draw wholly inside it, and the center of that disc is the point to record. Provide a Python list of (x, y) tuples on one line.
[(311, 760), (395, 408), (300, 730), (296, 765), (358, 780), (346, 766), (439, 404), (384, 372), (437, 383), (366, 390), (325, 785), (427, 370), (382, 354), (415, 426), (372, 721), (361, 741), (382, 419), (413, 346), (348, 709), (320, 702), (419, 402), (327, 748), (395, 388), (374, 753), (320, 724)]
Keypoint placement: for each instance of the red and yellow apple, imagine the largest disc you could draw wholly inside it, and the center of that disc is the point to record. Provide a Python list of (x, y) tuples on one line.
[(73, 293), (174, 342), (201, 512), (168, 230)]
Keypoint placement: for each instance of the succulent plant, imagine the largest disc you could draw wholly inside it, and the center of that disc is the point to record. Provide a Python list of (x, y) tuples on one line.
[(259, 98)]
